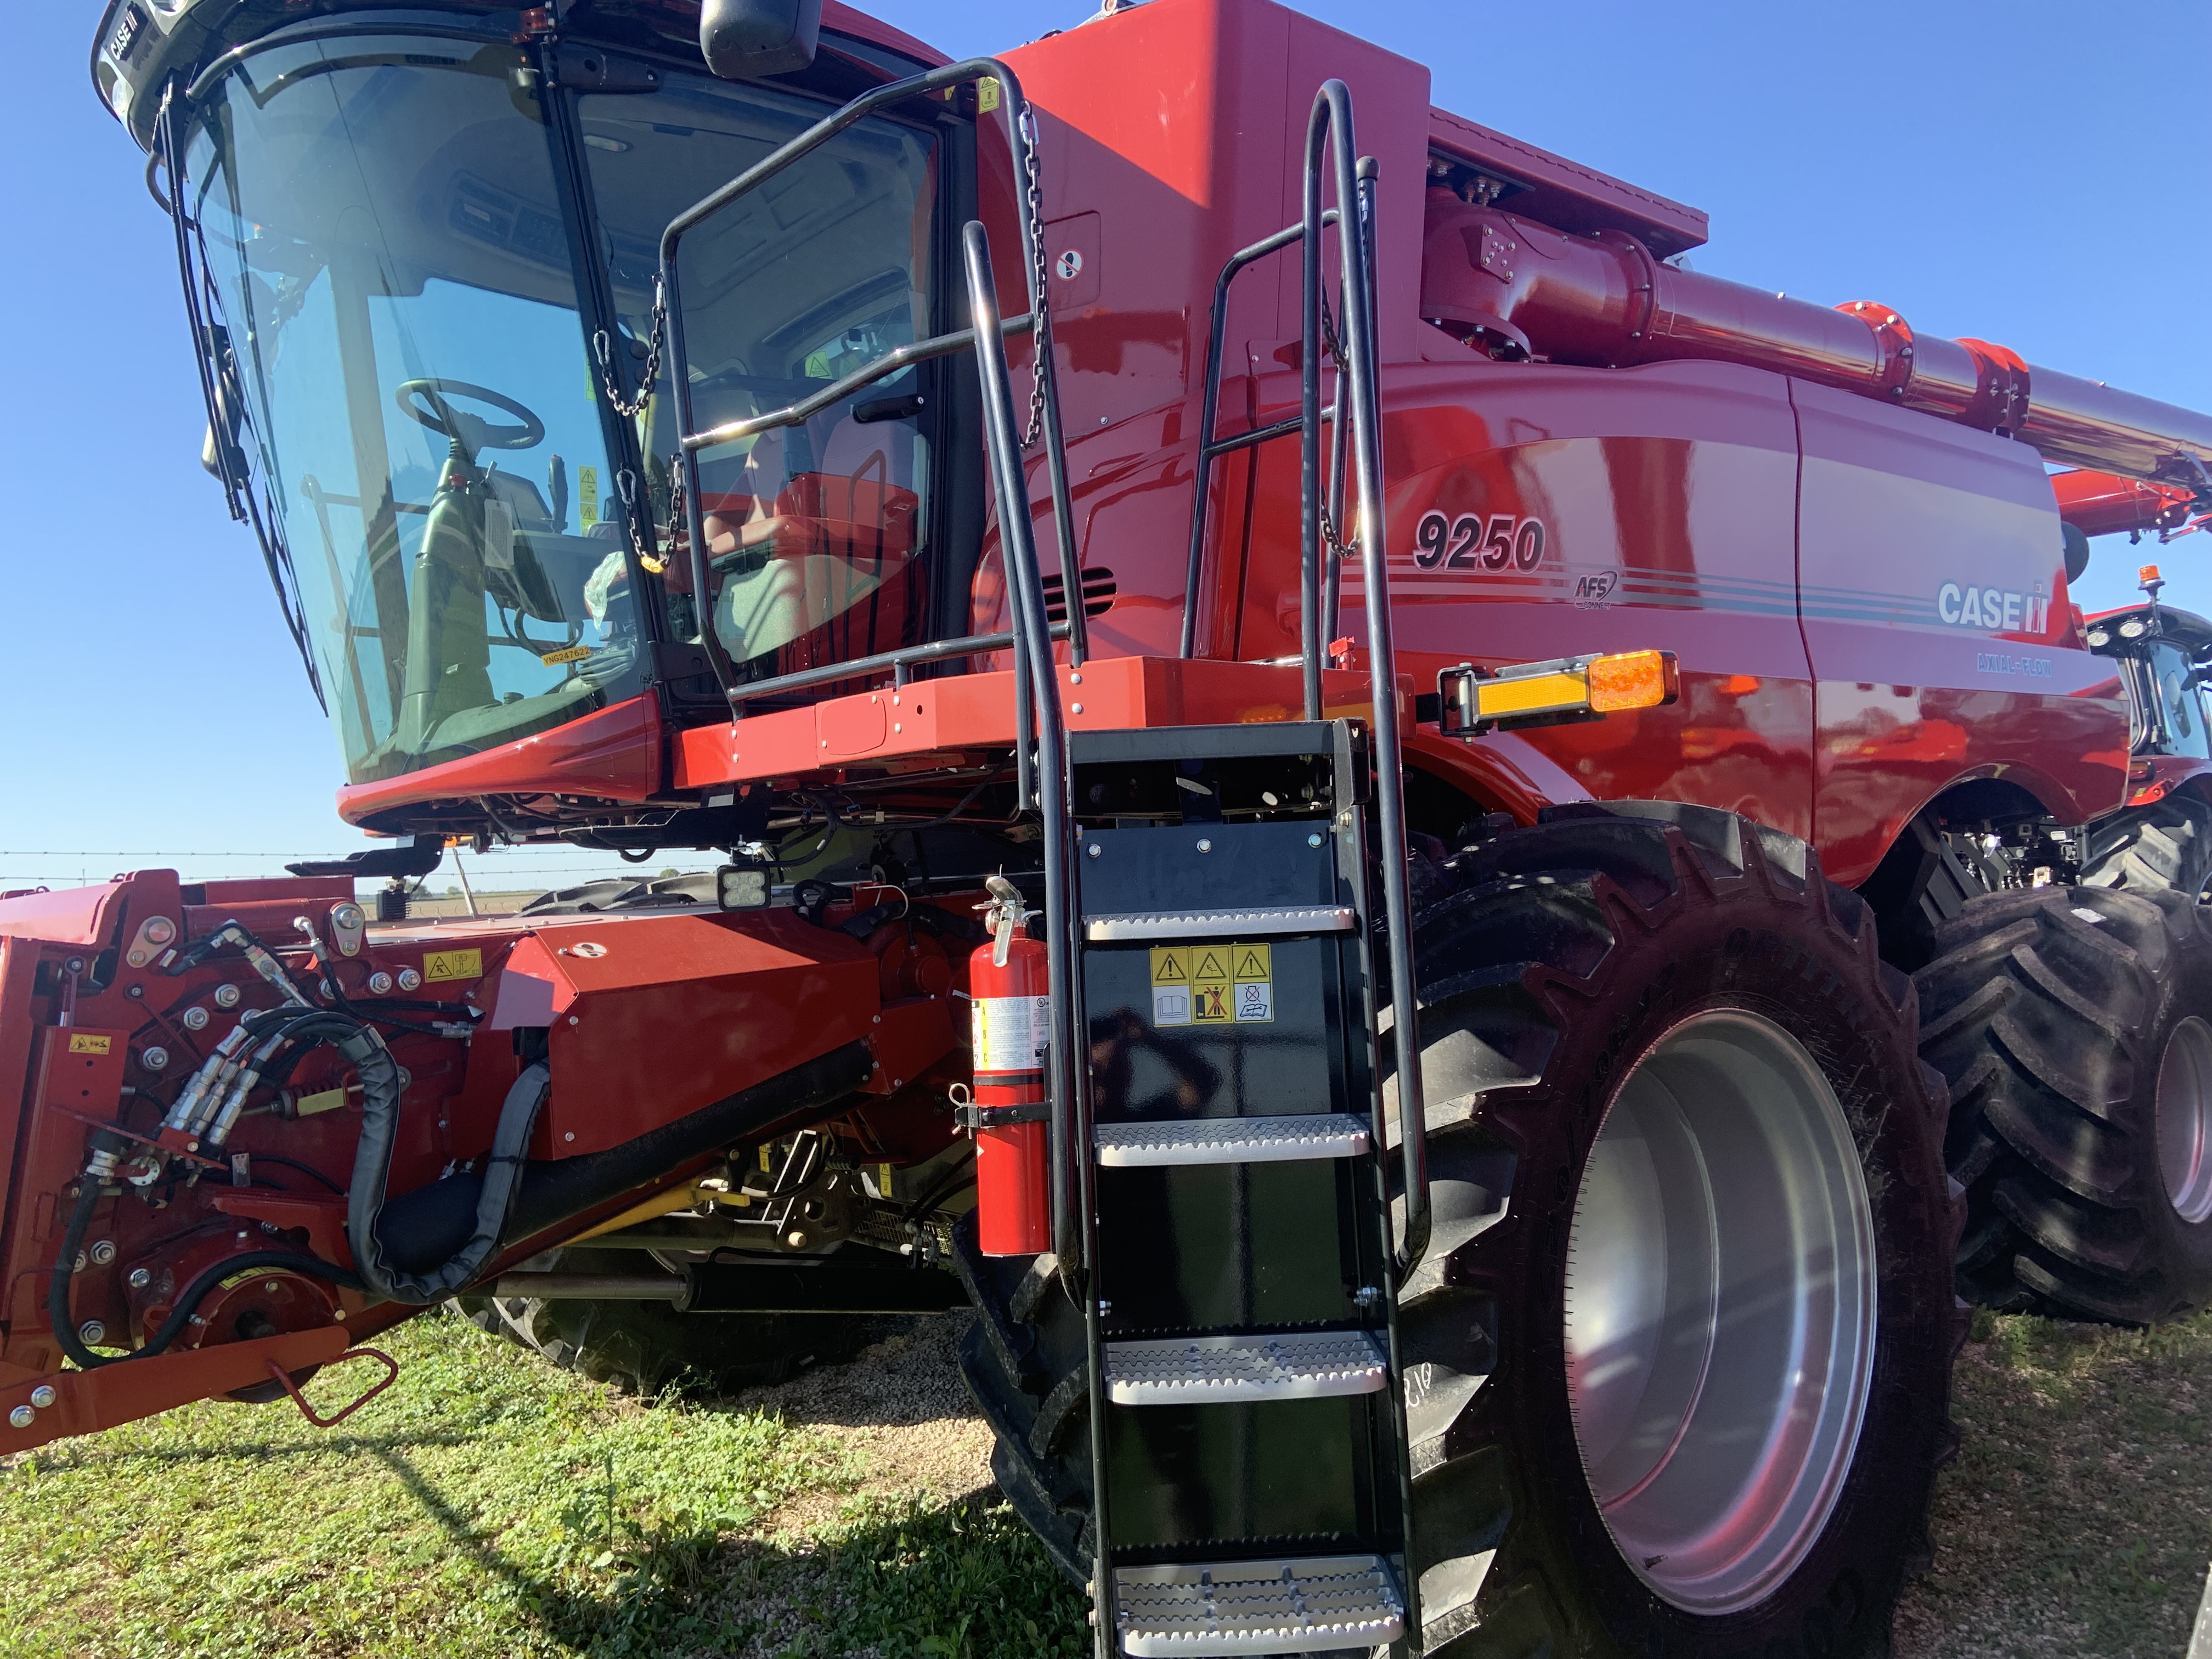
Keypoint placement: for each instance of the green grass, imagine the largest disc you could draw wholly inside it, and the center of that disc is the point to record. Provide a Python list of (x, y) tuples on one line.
[(2077, 1520), (490, 1505)]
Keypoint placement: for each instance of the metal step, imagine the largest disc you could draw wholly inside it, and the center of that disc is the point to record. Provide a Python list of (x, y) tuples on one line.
[(1230, 1140), (1292, 1606), (1271, 922), (1206, 1370)]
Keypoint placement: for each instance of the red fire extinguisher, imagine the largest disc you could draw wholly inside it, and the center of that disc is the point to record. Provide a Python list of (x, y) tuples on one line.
[(1012, 1012)]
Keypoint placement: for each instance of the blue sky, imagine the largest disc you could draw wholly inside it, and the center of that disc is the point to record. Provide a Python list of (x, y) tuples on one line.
[(2031, 173)]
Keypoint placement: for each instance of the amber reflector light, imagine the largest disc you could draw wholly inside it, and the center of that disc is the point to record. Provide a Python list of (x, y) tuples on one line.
[(1632, 679)]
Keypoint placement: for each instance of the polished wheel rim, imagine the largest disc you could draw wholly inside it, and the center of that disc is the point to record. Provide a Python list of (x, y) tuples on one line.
[(1719, 1310), (2185, 1119)]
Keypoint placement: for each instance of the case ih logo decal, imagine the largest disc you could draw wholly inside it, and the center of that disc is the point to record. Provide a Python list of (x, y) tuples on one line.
[(1999, 610), (1503, 542)]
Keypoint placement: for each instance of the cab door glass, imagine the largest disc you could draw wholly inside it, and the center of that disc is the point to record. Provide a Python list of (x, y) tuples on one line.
[(817, 534), (2181, 702)]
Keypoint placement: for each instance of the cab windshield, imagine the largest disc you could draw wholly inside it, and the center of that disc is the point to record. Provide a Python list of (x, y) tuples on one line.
[(413, 280), (396, 266)]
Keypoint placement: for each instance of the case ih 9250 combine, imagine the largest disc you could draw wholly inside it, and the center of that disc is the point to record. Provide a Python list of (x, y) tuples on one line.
[(630, 440)]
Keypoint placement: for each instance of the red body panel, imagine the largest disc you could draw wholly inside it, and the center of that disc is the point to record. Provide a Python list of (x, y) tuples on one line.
[(613, 754)]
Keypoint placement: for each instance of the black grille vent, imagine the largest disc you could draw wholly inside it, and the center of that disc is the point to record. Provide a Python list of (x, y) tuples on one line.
[(1098, 591)]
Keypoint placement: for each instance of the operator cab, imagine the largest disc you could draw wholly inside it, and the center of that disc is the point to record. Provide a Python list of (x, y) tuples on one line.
[(422, 249), (2163, 655)]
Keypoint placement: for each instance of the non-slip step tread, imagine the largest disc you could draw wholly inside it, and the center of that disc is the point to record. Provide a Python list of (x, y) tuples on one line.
[(1296, 1606), (1251, 923), (1205, 1370), (1230, 1140)]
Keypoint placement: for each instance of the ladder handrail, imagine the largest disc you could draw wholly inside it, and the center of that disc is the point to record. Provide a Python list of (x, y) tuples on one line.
[(1209, 447), (1021, 136), (1033, 648), (1330, 127), (1067, 1057)]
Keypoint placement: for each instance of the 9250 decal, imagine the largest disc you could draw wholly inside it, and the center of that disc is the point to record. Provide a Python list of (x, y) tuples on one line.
[(1504, 541)]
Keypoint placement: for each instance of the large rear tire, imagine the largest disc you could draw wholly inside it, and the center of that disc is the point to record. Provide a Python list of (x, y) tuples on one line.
[(641, 1347), (1680, 1354), (1611, 999), (2072, 1024)]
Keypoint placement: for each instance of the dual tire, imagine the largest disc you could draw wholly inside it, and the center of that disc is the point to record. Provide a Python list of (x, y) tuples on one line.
[(2074, 1026)]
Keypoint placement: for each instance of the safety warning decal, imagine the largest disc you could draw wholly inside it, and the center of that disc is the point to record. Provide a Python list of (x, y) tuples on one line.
[(87, 1043), (452, 964), (1252, 981), (1207, 984)]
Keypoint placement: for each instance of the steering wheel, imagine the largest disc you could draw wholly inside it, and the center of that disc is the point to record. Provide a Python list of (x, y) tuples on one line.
[(426, 401)]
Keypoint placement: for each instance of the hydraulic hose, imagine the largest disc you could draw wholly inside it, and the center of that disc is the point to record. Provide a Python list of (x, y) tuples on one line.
[(502, 1177), (187, 1303)]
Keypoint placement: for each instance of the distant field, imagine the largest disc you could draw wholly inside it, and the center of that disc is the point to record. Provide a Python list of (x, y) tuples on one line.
[(489, 1507)]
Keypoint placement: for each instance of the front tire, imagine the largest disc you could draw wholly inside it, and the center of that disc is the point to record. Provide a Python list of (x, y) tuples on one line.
[(1679, 1357), (641, 1347)]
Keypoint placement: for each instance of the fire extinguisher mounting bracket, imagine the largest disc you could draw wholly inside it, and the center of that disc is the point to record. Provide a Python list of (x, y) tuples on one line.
[(997, 1117)]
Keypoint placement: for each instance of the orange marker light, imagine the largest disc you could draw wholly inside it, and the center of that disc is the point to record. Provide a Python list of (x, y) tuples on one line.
[(1632, 679), (2148, 573)]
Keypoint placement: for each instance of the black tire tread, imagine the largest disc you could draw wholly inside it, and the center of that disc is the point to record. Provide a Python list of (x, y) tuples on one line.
[(2047, 1011)]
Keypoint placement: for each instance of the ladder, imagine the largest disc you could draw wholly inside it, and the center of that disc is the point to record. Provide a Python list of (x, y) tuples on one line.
[(1223, 1199)]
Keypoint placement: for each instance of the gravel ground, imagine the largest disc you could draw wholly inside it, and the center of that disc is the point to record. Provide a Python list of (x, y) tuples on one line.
[(2076, 1525), (902, 1403)]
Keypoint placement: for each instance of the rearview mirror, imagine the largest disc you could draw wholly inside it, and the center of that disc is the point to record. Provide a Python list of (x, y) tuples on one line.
[(742, 39)]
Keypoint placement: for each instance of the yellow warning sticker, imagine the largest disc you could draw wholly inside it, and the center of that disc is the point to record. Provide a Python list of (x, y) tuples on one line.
[(986, 94), (1170, 965), (452, 964), (1253, 968), (84, 1042), (1209, 1002), (329, 1100), (588, 495), (572, 654)]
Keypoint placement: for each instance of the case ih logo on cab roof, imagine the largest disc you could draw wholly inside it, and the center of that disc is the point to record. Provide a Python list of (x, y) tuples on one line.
[(1999, 610), (127, 30)]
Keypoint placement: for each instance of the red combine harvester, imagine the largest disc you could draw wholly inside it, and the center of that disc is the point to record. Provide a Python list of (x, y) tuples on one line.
[(1483, 675)]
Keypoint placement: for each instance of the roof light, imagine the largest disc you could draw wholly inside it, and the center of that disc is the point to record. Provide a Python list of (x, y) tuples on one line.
[(2134, 629)]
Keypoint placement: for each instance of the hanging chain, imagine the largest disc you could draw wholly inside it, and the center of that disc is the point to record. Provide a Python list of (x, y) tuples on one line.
[(679, 527), (1334, 348), (1034, 204), (629, 409)]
